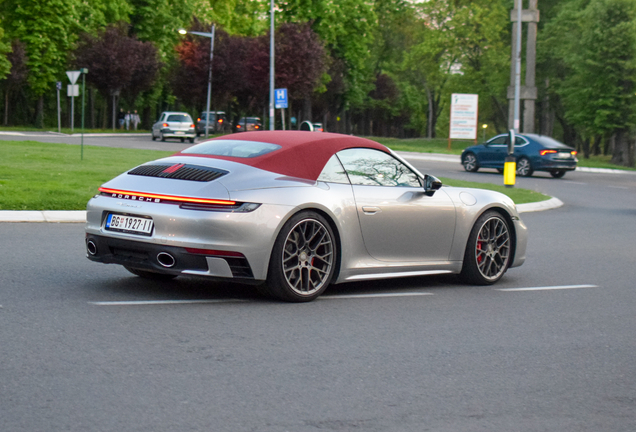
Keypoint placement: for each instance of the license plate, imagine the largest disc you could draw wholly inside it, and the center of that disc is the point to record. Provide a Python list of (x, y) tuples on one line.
[(179, 132), (129, 224)]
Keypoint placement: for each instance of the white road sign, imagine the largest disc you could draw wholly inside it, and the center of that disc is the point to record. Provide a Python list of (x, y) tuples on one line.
[(73, 76), (464, 116)]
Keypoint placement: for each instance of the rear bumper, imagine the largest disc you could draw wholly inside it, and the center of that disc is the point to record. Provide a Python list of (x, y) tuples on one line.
[(146, 256), (169, 133)]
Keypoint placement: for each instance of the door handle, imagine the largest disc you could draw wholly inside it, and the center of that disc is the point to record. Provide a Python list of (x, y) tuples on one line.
[(371, 210)]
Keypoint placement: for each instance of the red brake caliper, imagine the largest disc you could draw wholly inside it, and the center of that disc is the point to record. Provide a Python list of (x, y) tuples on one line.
[(480, 246)]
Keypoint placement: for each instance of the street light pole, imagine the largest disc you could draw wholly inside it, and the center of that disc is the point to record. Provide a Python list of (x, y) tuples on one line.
[(207, 107), (272, 117), (518, 69)]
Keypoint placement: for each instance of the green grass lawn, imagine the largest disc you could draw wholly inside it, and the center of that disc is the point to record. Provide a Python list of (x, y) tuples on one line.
[(41, 176)]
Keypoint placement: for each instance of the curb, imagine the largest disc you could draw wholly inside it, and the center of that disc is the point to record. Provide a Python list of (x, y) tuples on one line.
[(550, 204)]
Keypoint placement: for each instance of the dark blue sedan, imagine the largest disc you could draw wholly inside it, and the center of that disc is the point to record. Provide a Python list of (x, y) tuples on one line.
[(533, 153)]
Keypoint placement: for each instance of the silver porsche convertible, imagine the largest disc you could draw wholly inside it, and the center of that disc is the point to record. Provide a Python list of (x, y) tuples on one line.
[(293, 212)]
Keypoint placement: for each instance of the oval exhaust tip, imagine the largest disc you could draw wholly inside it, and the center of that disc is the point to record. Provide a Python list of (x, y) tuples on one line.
[(91, 248), (165, 259)]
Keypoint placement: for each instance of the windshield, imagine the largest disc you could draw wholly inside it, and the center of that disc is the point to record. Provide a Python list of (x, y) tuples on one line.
[(232, 148), (183, 118)]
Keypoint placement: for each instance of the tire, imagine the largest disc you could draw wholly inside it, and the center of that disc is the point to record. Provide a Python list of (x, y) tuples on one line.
[(191, 140), (557, 174), (154, 138), (470, 162), (150, 275), (500, 170), (182, 139), (163, 138), (304, 259), (487, 255), (524, 167)]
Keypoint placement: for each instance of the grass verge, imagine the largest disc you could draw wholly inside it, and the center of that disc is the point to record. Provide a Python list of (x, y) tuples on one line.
[(41, 176)]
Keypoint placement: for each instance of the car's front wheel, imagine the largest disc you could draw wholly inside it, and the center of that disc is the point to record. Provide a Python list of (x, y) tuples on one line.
[(470, 162), (303, 260), (557, 174), (487, 255)]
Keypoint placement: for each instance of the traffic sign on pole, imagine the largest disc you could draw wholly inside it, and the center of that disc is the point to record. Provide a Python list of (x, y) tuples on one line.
[(280, 98), (73, 76)]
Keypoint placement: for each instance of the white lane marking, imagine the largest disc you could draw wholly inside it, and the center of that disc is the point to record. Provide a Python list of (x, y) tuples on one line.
[(574, 182), (162, 302), (618, 187), (355, 296), (547, 288)]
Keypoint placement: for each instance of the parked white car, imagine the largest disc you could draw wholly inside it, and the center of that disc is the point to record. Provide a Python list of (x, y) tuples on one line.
[(174, 125)]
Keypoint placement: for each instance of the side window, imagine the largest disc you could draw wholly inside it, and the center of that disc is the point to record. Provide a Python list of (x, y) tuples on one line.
[(376, 168), (500, 140), (520, 141), (333, 172)]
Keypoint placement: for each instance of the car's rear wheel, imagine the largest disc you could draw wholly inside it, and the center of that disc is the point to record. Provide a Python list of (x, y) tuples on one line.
[(500, 170), (163, 138), (153, 136), (557, 174), (303, 259), (524, 167), (150, 275), (487, 255), (470, 162)]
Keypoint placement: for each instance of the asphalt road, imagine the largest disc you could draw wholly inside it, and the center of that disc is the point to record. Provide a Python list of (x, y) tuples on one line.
[(86, 346)]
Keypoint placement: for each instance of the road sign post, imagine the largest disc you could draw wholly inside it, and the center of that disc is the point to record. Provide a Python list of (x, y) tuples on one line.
[(72, 91), (281, 102), (58, 87)]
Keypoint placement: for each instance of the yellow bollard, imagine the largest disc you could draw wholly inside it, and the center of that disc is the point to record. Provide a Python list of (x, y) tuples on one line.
[(510, 171)]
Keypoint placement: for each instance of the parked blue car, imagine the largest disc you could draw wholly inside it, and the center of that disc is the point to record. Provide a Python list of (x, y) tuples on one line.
[(533, 153)]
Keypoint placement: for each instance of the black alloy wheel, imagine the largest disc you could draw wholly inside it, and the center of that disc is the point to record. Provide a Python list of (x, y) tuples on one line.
[(303, 260), (487, 255)]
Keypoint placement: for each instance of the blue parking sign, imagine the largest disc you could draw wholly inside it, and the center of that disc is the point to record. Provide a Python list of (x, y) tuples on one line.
[(280, 98)]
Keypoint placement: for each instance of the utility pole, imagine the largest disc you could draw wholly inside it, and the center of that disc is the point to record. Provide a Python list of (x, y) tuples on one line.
[(528, 92), (272, 112)]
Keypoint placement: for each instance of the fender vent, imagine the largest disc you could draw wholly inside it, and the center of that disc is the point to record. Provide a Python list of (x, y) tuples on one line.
[(179, 172)]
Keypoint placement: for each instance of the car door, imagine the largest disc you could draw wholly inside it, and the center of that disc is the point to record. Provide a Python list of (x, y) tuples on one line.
[(494, 152), (398, 221)]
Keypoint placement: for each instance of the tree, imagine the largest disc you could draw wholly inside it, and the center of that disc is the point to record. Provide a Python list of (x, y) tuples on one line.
[(17, 74), (597, 50), (5, 64), (47, 28), (117, 62)]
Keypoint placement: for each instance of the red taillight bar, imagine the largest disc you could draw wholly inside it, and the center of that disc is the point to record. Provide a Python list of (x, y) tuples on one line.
[(211, 252), (167, 197), (545, 152), (574, 152)]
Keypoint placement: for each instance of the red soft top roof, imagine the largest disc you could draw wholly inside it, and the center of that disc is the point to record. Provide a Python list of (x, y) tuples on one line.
[(303, 154)]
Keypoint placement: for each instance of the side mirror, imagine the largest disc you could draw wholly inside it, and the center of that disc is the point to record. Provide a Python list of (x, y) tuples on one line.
[(431, 184)]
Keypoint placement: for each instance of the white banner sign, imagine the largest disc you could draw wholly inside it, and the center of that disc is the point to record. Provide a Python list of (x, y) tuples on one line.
[(463, 116), (72, 90)]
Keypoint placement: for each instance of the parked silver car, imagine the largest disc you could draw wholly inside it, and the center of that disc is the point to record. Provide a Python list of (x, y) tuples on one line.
[(174, 125), (294, 212)]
